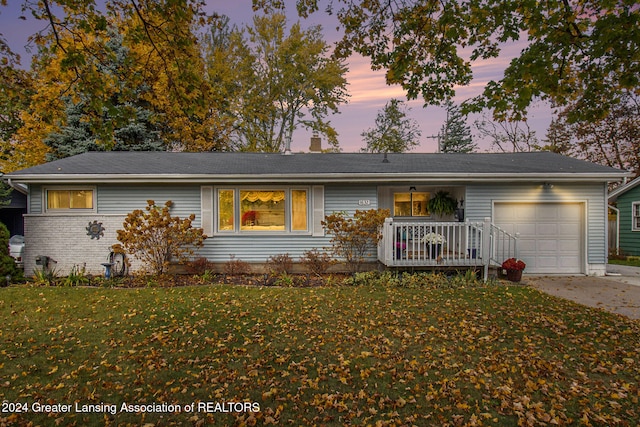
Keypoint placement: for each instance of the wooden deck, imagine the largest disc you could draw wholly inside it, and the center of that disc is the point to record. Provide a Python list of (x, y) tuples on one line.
[(422, 244)]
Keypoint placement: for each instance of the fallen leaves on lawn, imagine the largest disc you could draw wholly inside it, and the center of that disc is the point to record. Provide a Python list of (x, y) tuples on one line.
[(320, 356)]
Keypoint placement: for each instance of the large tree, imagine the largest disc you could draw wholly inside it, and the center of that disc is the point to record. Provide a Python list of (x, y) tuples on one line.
[(75, 64), (275, 82), (455, 135), (508, 135), (613, 140), (16, 88), (128, 124), (585, 51), (394, 131)]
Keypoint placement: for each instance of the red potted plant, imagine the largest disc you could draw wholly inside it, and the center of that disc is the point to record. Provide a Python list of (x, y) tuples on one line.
[(514, 269)]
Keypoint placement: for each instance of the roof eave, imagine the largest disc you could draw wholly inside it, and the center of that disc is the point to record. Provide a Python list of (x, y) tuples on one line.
[(613, 196), (320, 177)]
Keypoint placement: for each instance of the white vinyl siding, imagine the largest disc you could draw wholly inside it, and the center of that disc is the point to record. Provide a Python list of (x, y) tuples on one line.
[(480, 199)]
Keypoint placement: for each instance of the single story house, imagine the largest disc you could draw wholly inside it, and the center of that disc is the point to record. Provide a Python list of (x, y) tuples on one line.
[(547, 209), (627, 200)]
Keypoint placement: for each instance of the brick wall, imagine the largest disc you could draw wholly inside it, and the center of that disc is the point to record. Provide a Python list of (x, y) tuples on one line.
[(64, 238)]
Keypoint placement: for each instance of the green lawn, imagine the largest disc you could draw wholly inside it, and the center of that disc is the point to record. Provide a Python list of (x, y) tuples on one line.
[(313, 356), (633, 262)]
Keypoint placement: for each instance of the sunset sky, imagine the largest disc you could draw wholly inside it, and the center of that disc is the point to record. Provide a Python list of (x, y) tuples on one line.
[(368, 90)]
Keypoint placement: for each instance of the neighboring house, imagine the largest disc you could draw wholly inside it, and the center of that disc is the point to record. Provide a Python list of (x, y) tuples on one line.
[(627, 200), (256, 205), (12, 213)]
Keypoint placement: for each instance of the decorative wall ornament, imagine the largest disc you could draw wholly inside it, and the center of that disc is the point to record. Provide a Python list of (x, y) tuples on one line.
[(95, 230)]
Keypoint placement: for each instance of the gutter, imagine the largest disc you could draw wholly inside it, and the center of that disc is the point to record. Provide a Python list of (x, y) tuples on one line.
[(305, 178), (20, 187)]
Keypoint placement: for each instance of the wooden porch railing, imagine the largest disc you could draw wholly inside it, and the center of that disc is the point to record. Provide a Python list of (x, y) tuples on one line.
[(444, 244)]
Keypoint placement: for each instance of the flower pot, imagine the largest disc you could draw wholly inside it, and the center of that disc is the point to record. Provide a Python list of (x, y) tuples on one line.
[(433, 250), (400, 247), (514, 275)]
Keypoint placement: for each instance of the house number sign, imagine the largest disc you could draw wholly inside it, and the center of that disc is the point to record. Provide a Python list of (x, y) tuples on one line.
[(364, 202)]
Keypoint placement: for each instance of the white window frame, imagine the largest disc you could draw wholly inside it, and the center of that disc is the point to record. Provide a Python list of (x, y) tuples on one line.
[(45, 199), (635, 216), (236, 210), (411, 193)]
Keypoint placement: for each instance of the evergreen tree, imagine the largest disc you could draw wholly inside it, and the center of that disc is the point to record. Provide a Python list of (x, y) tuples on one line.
[(7, 263), (394, 131), (5, 194), (455, 134), (127, 122)]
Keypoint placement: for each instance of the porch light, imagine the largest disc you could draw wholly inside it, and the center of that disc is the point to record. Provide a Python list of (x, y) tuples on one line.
[(547, 186), (412, 188)]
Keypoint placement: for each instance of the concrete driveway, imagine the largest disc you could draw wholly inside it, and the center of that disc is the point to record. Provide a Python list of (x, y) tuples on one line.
[(618, 292)]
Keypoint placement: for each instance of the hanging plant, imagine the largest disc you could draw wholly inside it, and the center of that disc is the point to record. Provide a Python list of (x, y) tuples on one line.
[(442, 203)]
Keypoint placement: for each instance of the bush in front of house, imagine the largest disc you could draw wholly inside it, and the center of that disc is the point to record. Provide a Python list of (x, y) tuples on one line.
[(317, 262), (279, 264), (8, 265), (353, 238), (156, 238), (236, 267)]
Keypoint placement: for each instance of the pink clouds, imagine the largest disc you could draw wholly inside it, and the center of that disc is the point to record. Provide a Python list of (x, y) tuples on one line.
[(368, 89)]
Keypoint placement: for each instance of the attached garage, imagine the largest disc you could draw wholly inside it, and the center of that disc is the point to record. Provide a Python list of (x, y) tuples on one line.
[(551, 235)]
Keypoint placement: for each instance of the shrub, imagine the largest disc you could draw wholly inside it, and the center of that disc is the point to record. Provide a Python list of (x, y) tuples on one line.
[(155, 237), (77, 276), (316, 262), (354, 237), (279, 264), (199, 266), (7, 263), (236, 267)]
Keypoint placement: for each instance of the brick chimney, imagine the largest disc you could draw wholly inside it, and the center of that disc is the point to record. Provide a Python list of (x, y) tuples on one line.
[(316, 143)]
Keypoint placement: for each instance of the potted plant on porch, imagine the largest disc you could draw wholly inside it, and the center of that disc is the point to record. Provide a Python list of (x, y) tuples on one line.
[(442, 203), (434, 243), (514, 269)]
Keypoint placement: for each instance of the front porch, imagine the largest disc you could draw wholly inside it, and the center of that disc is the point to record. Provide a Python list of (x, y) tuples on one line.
[(423, 244)]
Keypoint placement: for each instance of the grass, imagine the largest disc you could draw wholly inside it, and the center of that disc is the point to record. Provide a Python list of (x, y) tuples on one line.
[(633, 261), (360, 355)]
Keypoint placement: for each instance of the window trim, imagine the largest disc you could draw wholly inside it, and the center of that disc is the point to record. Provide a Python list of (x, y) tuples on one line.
[(635, 219), (411, 193), (237, 229), (45, 199)]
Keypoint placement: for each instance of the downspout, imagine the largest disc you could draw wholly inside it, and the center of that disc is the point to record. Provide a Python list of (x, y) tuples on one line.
[(617, 228), (20, 188)]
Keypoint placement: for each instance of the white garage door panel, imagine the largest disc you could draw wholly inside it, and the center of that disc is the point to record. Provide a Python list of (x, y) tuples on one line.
[(550, 234), (547, 230)]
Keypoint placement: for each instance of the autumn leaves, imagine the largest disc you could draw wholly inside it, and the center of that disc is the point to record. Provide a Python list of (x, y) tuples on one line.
[(319, 356)]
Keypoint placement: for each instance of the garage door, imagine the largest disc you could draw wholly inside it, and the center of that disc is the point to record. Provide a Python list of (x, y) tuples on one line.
[(550, 234)]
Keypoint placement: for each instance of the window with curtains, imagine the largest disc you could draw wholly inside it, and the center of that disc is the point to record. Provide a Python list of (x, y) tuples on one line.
[(262, 210), (64, 199)]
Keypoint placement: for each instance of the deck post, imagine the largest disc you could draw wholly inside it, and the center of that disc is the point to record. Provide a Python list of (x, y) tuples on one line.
[(387, 240), (486, 246)]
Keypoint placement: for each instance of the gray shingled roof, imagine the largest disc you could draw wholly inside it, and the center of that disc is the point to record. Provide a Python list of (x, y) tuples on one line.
[(167, 166)]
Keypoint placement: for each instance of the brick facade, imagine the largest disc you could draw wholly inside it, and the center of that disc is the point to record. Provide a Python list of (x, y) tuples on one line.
[(64, 239)]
